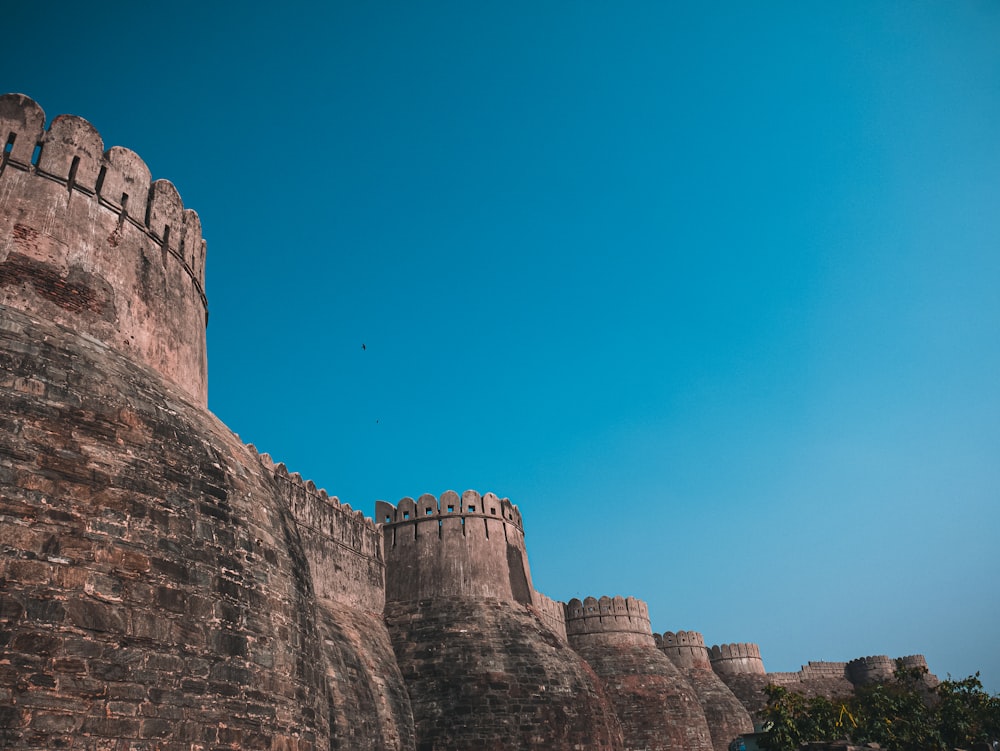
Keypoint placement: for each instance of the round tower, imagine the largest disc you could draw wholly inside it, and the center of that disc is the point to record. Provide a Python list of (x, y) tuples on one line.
[(89, 241), (727, 717), (741, 668), (870, 669), (657, 707), (483, 670), (461, 546), (736, 659)]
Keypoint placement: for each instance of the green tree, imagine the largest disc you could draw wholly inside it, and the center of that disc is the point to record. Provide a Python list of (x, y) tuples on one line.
[(966, 713), (902, 714)]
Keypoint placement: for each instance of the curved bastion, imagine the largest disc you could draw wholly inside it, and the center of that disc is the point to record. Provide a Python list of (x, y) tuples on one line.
[(485, 668), (658, 709), (727, 718)]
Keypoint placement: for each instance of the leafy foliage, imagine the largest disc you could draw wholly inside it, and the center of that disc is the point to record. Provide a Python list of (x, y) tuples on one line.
[(902, 714)]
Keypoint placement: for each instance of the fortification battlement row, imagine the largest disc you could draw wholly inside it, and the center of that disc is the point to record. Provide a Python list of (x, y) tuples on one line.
[(607, 615), (280, 471), (428, 508), (71, 152)]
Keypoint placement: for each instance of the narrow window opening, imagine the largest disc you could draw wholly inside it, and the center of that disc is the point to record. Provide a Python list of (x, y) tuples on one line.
[(493, 511), (406, 515), (9, 147), (36, 154), (451, 509), (100, 179), (428, 511), (71, 180), (472, 509), (163, 256), (463, 526), (394, 537), (440, 526), (388, 518), (487, 525), (124, 204)]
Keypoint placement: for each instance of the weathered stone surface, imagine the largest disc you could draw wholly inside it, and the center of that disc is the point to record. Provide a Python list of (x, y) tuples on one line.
[(487, 675), (156, 584)]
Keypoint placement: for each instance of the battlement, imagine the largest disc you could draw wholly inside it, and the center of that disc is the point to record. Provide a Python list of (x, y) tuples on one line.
[(90, 241), (736, 659), (608, 618), (456, 546), (343, 547), (427, 508)]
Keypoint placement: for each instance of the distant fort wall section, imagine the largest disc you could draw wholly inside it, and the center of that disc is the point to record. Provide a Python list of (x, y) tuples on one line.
[(468, 546), (89, 241)]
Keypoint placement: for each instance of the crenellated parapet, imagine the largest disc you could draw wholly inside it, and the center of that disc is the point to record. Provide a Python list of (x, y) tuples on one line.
[(608, 619), (870, 669), (736, 659), (686, 649), (344, 548), (552, 613), (90, 241), (467, 545)]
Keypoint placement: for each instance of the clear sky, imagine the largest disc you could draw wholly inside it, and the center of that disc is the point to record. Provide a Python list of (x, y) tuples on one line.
[(710, 290)]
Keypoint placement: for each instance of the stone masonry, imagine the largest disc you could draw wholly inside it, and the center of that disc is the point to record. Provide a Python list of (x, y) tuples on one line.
[(165, 587)]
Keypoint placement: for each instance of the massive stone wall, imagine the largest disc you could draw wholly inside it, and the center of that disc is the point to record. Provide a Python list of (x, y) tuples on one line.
[(154, 591), (89, 240)]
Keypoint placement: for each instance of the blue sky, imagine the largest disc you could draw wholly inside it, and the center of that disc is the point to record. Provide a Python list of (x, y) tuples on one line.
[(709, 290)]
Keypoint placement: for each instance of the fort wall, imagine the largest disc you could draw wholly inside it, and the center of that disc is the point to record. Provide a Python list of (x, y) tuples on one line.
[(166, 586), (343, 547), (89, 241)]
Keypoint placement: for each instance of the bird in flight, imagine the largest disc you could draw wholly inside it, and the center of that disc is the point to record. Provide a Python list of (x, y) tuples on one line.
[(363, 346)]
